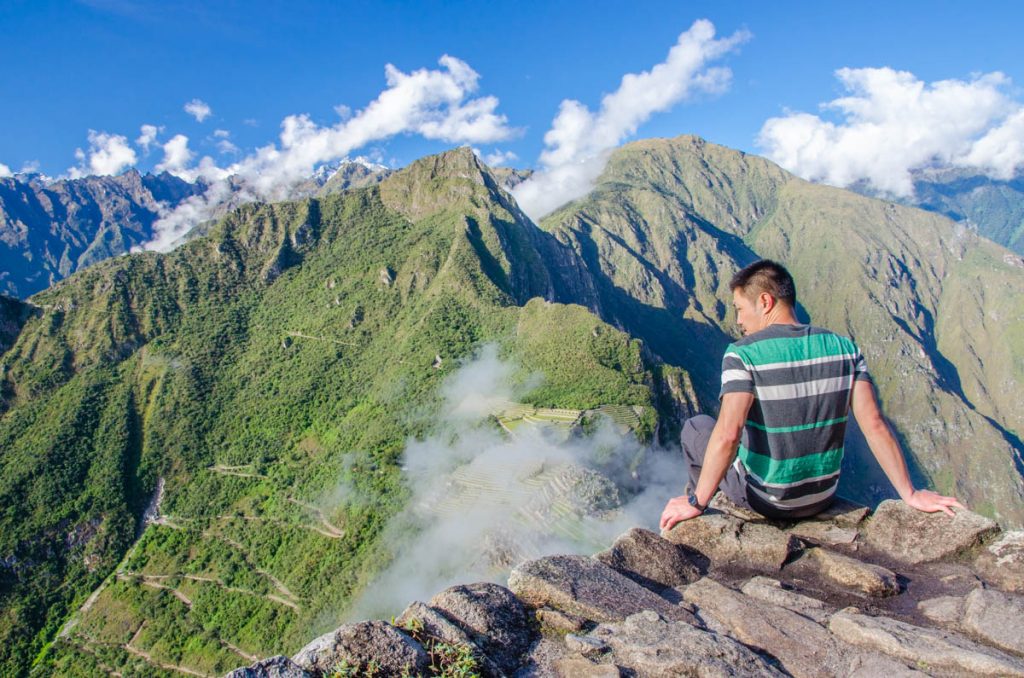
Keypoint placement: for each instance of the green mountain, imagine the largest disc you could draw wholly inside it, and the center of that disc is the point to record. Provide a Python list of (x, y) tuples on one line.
[(174, 427), (937, 310), (994, 207), (233, 382)]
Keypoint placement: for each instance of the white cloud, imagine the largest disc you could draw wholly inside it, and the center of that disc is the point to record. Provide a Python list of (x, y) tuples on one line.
[(198, 109), (5, 171), (107, 154), (433, 103), (462, 531), (496, 158), (147, 136), (224, 144), (177, 156), (891, 123), (579, 141)]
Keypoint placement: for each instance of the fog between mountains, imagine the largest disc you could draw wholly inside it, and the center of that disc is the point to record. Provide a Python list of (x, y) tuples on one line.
[(434, 548)]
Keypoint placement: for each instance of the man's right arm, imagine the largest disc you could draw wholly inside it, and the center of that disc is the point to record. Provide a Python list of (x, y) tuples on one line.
[(888, 453)]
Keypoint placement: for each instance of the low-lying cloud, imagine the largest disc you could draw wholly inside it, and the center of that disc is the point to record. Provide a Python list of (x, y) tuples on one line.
[(891, 123), (5, 171), (579, 141), (482, 500)]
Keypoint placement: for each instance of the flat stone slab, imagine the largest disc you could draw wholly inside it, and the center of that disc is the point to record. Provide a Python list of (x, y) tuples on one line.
[(824, 532), (726, 539), (361, 644), (874, 580), (649, 645), (274, 667), (997, 617), (649, 560), (803, 647), (577, 667), (943, 610), (912, 536), (1002, 562), (927, 648), (588, 588), (771, 591)]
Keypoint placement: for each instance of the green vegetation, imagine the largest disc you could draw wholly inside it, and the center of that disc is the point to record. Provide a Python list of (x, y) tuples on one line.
[(270, 373)]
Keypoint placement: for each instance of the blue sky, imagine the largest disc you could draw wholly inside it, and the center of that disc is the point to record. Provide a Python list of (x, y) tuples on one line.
[(114, 65)]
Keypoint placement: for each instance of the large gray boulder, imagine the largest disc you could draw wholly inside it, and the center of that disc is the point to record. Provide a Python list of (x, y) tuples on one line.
[(649, 560), (937, 650), (433, 623), (586, 587), (650, 645), (364, 644), (912, 536), (1002, 562), (996, 617), (727, 540), (868, 578), (492, 616), (803, 647)]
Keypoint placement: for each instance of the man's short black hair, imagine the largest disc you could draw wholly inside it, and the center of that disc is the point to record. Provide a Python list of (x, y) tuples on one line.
[(765, 276)]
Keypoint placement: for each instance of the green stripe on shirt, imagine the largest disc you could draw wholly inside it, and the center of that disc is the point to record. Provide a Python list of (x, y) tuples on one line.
[(792, 349), (799, 427), (779, 471)]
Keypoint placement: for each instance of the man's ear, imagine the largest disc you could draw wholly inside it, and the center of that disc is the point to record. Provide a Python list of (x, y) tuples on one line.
[(766, 301)]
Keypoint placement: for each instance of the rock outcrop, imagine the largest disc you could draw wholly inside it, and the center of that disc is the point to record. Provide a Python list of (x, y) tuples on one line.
[(896, 593)]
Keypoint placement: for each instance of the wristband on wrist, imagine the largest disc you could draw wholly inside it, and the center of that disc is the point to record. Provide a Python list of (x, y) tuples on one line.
[(692, 498)]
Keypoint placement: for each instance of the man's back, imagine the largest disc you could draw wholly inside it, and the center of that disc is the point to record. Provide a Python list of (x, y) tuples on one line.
[(802, 380)]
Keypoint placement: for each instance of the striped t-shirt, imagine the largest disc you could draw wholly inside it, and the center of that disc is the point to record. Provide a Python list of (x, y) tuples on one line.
[(792, 446)]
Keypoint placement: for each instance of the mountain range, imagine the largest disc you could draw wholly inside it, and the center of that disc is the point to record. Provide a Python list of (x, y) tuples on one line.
[(174, 427)]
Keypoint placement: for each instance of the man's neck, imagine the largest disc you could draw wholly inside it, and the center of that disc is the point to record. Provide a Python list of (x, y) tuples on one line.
[(781, 315)]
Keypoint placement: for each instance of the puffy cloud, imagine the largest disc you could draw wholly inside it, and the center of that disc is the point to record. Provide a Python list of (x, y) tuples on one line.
[(579, 141), (891, 123), (433, 103), (224, 144), (147, 136), (107, 154), (198, 109), (5, 171), (496, 158), (177, 156)]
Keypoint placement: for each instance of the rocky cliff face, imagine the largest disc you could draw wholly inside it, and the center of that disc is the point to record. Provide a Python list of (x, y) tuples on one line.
[(846, 593), (47, 232)]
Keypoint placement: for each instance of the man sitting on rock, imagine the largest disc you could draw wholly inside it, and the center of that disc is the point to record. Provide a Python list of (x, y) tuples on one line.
[(787, 389)]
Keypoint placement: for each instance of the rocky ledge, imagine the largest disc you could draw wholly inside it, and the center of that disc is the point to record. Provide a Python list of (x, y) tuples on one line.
[(847, 593)]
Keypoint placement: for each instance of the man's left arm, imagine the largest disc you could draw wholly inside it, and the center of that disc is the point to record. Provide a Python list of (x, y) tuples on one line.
[(722, 446)]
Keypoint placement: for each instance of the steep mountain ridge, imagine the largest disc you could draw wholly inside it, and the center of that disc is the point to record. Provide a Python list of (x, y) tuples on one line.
[(49, 231), (669, 222)]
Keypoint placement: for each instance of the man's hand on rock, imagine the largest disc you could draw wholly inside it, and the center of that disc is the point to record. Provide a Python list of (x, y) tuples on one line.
[(930, 502), (677, 510)]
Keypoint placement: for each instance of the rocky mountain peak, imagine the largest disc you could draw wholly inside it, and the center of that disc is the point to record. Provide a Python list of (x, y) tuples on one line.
[(437, 182)]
